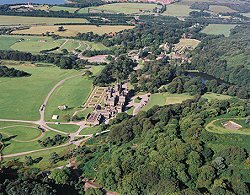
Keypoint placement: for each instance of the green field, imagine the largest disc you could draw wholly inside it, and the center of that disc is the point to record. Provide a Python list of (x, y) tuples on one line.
[(21, 98), (162, 99), (220, 9), (45, 164), (60, 8), (7, 42), (36, 44), (65, 127), (90, 130), (178, 10), (22, 133), (73, 93), (216, 126), (97, 46), (215, 96), (72, 30), (218, 29), (23, 20), (126, 8)]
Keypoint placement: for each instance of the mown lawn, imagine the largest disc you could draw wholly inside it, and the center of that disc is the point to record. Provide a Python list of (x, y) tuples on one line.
[(215, 96), (65, 127), (7, 42), (218, 29), (73, 93), (90, 130), (73, 30), (24, 20), (178, 10), (162, 99), (126, 8), (21, 98)]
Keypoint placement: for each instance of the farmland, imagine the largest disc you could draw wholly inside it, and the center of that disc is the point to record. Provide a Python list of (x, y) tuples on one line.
[(218, 29), (60, 8), (73, 30), (36, 44), (188, 43), (21, 20), (162, 99), (216, 9), (178, 10), (126, 8), (215, 96)]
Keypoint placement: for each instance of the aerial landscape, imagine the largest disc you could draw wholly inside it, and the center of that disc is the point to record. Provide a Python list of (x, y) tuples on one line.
[(124, 97)]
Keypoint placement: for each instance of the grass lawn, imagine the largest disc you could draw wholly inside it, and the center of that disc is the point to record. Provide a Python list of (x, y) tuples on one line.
[(130, 111), (36, 44), (7, 42), (23, 20), (71, 45), (97, 46), (126, 8), (65, 128), (45, 164), (21, 98), (216, 126), (188, 43), (73, 30), (15, 146), (21, 132), (84, 113), (218, 29), (246, 14), (73, 93), (90, 130), (60, 8), (162, 99), (221, 9), (215, 96), (178, 10)]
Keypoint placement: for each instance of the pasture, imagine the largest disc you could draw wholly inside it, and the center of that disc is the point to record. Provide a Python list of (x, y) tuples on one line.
[(65, 127), (178, 10), (36, 44), (60, 8), (218, 29), (90, 130), (193, 43), (125, 8), (162, 99), (22, 137), (73, 30), (216, 126), (216, 9), (31, 91), (214, 96), (23, 20), (7, 42)]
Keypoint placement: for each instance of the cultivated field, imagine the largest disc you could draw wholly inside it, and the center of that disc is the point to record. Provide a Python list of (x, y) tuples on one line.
[(7, 42), (217, 126), (220, 9), (193, 43), (162, 99), (218, 29), (178, 10), (126, 8), (22, 20), (60, 8), (214, 96), (31, 91), (73, 30)]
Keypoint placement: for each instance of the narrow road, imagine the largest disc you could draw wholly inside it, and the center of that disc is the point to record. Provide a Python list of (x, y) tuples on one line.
[(66, 41)]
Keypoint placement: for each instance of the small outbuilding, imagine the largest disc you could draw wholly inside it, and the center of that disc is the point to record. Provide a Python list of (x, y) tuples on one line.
[(55, 117)]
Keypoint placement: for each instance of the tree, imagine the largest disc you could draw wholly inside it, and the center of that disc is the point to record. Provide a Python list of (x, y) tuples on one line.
[(53, 157), (61, 176), (88, 73), (61, 29), (66, 117), (206, 176), (1, 137)]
